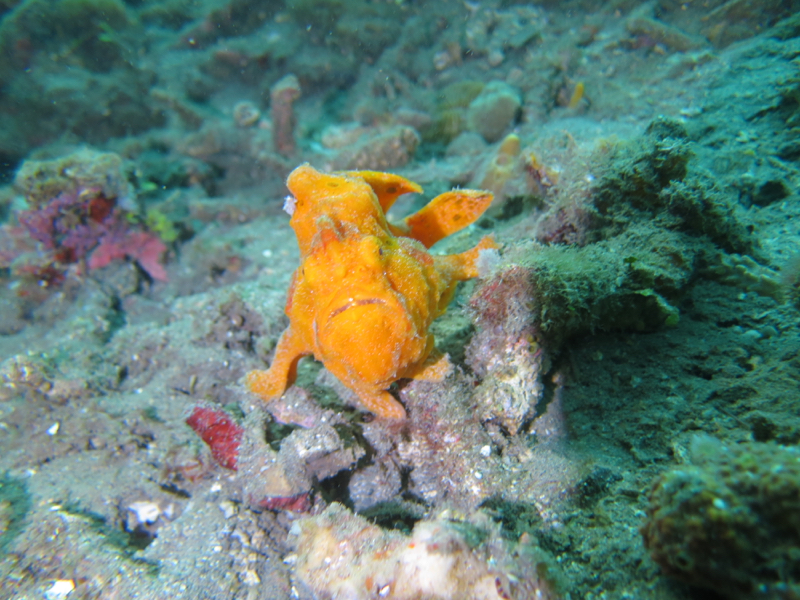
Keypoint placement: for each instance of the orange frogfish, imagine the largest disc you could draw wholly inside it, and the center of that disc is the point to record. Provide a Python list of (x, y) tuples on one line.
[(367, 291)]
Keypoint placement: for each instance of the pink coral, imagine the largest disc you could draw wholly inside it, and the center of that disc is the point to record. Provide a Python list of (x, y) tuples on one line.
[(85, 224), (144, 248)]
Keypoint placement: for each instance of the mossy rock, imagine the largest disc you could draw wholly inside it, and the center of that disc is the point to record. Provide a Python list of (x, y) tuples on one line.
[(318, 14), (370, 30), (446, 125), (459, 94), (172, 14), (653, 178), (89, 30)]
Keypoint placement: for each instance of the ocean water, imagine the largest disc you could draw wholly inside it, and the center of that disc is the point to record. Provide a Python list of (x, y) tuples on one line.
[(519, 284)]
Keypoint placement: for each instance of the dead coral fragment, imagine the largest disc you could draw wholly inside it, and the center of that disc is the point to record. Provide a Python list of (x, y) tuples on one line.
[(665, 35), (341, 555), (504, 351), (744, 272), (32, 378)]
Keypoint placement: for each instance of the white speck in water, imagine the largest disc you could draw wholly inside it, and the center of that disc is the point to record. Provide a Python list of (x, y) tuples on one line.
[(60, 589), (289, 204)]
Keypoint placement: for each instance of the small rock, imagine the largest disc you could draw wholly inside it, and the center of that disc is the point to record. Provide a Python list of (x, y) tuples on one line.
[(246, 114), (141, 514), (60, 589), (11, 316), (323, 450), (380, 151), (297, 407), (595, 485), (494, 110), (376, 483), (467, 143), (228, 508)]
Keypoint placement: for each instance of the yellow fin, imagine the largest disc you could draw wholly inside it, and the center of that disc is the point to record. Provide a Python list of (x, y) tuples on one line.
[(435, 368), (446, 214), (382, 404), (387, 186)]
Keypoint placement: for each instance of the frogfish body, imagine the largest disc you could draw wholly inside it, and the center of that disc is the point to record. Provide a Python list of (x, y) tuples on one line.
[(366, 292)]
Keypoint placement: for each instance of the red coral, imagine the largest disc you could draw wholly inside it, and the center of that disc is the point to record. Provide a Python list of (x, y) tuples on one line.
[(86, 223), (222, 434), (144, 248)]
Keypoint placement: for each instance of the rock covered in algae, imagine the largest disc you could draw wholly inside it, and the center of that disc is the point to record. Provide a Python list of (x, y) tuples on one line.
[(730, 520)]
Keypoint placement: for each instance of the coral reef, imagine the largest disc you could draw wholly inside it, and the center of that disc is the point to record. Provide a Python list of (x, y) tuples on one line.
[(728, 519)]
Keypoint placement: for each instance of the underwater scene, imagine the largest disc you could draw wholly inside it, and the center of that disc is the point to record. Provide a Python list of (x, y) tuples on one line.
[(403, 299)]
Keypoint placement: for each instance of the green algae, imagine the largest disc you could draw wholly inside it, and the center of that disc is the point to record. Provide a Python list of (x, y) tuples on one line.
[(15, 504)]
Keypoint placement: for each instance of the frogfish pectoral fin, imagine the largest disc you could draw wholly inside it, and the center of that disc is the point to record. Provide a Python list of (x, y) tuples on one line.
[(446, 214), (435, 368), (387, 186), (272, 383), (381, 403)]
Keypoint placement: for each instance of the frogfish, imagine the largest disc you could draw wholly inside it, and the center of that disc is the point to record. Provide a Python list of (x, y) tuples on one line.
[(366, 292)]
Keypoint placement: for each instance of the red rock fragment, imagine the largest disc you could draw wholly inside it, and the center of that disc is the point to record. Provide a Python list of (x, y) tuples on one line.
[(298, 504), (222, 434)]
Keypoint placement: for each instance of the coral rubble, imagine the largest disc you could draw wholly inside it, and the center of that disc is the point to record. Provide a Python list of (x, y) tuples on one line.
[(338, 554)]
